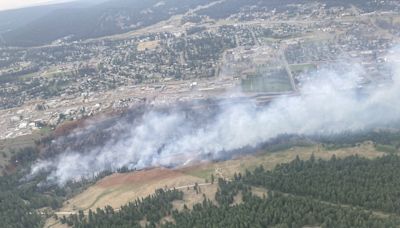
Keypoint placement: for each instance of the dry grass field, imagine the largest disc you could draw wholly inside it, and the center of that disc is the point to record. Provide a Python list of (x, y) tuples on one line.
[(270, 160), (119, 189), (142, 46)]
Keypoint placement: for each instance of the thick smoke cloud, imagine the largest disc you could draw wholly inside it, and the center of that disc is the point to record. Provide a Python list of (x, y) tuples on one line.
[(329, 102)]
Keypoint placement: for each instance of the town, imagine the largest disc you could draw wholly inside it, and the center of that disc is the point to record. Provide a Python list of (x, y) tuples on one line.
[(189, 57)]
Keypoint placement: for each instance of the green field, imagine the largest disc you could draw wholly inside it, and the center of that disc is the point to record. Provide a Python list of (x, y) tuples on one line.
[(267, 82)]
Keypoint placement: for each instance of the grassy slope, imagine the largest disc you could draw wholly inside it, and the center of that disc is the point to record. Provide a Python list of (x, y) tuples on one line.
[(7, 146), (119, 189)]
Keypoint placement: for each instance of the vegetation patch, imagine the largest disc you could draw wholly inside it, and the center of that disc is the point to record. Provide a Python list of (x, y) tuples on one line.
[(267, 82), (145, 45), (293, 202)]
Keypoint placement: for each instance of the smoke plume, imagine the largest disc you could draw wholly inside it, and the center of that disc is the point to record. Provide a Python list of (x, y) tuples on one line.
[(329, 101)]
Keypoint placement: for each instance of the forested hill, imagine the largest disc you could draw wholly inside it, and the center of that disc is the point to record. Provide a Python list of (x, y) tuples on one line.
[(340, 192), (350, 192), (108, 18), (70, 22)]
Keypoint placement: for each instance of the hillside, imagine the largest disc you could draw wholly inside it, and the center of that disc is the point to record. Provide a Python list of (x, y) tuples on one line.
[(292, 194), (119, 189), (108, 18), (83, 20), (14, 19)]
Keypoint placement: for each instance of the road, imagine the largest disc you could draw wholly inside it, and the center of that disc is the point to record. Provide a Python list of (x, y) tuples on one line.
[(287, 68)]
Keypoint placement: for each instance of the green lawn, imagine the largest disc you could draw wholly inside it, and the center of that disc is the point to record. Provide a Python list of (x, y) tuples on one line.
[(266, 84)]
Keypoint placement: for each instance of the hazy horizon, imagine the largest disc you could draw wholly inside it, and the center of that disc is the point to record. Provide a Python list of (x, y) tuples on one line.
[(17, 4)]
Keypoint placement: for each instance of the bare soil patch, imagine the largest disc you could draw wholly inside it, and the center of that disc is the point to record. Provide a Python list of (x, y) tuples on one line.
[(142, 46), (119, 189), (137, 177)]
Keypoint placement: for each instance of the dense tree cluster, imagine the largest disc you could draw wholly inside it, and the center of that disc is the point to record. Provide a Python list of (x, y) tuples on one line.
[(15, 212), (21, 195), (19, 201), (228, 8), (227, 191), (372, 184), (276, 210)]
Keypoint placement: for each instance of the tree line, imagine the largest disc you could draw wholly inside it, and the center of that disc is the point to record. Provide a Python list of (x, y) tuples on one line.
[(372, 184), (300, 193)]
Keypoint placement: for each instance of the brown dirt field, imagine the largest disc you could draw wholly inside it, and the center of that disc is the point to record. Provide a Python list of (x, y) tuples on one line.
[(119, 189), (142, 46), (260, 192), (137, 177), (238, 199)]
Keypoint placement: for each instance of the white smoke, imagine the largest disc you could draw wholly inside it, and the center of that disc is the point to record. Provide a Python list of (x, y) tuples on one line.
[(328, 103)]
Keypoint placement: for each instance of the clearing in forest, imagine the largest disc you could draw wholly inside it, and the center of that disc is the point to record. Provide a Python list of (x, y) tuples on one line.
[(120, 188)]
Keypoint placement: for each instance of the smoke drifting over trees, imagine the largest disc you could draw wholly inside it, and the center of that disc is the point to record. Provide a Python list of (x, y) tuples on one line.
[(329, 102)]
